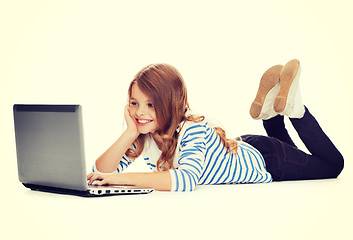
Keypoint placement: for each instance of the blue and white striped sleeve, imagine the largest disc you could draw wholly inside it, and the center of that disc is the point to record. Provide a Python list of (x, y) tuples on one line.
[(191, 160)]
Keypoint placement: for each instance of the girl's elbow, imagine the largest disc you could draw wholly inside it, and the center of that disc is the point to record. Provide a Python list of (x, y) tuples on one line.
[(192, 188), (185, 189)]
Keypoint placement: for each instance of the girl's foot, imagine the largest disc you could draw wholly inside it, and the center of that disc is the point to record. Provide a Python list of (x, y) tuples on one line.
[(288, 101), (287, 77), (262, 106)]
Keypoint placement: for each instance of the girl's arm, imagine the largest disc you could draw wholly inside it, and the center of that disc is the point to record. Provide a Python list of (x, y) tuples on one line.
[(110, 159), (160, 181)]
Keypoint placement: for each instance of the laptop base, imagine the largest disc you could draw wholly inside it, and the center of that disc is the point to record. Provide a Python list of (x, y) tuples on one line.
[(87, 193)]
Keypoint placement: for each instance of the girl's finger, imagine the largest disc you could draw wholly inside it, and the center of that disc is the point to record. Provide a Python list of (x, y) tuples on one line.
[(89, 175), (94, 177), (102, 182)]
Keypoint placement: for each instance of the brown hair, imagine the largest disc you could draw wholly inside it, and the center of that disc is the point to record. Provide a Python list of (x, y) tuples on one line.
[(165, 87)]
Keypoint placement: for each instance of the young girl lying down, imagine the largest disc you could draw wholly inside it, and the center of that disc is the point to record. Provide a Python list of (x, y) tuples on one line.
[(184, 150)]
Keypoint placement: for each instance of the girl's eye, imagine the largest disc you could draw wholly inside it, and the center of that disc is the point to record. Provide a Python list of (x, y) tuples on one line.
[(150, 105), (133, 103)]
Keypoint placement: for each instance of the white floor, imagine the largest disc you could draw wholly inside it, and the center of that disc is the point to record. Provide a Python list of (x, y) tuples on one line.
[(287, 210)]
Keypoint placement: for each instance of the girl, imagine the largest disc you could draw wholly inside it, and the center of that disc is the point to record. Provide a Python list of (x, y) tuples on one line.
[(184, 150)]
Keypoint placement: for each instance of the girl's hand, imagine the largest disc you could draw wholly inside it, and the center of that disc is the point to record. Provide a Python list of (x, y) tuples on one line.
[(104, 178), (157, 180), (131, 123)]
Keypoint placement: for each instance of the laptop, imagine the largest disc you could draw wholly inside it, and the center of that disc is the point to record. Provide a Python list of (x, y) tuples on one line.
[(50, 152)]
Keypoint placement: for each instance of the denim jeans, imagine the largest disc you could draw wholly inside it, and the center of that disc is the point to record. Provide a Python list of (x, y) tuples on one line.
[(285, 161)]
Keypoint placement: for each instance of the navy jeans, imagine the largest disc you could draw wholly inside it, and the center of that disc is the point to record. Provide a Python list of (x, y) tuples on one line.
[(286, 162)]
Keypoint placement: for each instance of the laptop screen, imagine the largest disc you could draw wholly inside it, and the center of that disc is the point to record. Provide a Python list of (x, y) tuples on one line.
[(49, 144)]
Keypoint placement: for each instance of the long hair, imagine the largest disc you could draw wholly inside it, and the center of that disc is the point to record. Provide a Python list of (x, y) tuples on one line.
[(165, 87)]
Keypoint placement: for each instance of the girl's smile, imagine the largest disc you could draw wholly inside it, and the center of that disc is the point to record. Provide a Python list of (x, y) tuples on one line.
[(142, 110), (143, 122)]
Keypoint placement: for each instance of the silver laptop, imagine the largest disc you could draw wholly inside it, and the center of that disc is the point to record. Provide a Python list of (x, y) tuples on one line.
[(50, 151)]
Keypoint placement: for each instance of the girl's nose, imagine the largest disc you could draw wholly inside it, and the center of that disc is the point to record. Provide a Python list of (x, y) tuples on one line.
[(141, 111)]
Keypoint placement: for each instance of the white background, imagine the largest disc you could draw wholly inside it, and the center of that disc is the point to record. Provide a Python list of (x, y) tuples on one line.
[(87, 52)]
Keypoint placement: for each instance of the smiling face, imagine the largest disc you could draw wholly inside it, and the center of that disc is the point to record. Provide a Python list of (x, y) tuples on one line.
[(142, 111)]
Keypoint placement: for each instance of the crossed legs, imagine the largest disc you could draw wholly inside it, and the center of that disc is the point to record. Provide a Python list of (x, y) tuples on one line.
[(283, 159)]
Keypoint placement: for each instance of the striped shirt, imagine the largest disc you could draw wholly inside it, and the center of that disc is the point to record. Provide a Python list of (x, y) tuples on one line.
[(201, 158)]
